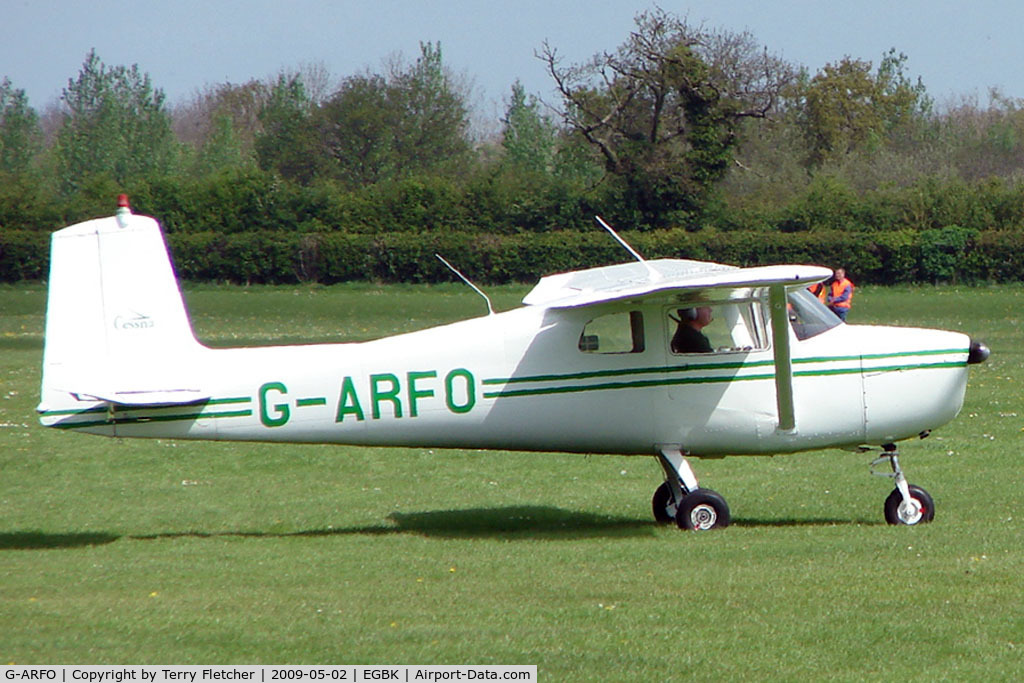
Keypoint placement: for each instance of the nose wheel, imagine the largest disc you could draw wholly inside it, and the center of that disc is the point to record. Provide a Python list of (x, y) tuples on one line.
[(908, 504), (919, 510)]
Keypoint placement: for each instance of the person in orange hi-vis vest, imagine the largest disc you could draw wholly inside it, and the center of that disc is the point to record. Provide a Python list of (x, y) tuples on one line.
[(840, 294), (820, 290)]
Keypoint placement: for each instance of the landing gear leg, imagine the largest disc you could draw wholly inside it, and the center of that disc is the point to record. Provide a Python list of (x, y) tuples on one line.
[(907, 504), (680, 498)]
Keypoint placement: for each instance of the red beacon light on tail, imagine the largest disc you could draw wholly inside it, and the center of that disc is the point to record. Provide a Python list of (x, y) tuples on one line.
[(124, 210)]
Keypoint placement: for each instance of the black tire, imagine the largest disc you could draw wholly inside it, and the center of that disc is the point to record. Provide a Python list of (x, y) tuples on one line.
[(702, 510), (893, 502), (663, 505)]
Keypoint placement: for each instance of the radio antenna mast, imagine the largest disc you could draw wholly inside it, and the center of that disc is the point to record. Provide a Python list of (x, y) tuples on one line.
[(655, 275), (490, 309)]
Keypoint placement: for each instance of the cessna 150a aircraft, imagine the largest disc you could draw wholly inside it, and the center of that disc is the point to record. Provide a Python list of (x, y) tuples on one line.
[(586, 365)]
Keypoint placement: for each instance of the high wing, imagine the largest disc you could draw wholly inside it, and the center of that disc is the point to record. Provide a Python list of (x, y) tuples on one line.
[(674, 279), (661, 279)]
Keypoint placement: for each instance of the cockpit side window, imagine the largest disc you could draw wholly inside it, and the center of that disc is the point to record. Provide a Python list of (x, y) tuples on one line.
[(722, 327), (808, 316), (740, 324), (621, 332)]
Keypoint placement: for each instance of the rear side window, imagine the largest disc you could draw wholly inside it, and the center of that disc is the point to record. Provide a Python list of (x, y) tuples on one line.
[(621, 332)]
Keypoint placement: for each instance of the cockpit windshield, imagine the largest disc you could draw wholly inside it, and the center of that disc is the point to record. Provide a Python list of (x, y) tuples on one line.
[(808, 316)]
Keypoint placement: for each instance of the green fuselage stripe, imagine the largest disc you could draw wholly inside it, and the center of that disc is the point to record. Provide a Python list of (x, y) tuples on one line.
[(142, 419), (632, 371), (668, 381), (163, 413), (121, 406)]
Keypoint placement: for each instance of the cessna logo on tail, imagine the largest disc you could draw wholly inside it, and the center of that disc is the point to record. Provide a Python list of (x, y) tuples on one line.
[(136, 321)]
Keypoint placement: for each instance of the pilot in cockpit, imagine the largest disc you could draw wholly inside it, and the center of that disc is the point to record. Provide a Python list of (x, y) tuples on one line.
[(688, 337)]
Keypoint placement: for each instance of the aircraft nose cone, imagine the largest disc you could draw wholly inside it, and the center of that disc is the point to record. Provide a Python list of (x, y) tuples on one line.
[(979, 353)]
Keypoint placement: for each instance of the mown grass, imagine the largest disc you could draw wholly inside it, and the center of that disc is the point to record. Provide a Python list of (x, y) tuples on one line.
[(187, 552)]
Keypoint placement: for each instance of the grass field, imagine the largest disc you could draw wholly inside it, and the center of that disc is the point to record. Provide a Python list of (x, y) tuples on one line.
[(159, 552)]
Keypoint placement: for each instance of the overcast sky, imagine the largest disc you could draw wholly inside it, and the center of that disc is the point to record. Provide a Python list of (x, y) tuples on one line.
[(957, 48)]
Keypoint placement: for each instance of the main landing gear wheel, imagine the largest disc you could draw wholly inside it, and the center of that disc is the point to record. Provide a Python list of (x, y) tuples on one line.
[(919, 510), (681, 499), (664, 504), (702, 510)]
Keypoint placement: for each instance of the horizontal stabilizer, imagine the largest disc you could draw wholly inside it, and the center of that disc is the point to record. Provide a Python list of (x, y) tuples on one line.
[(145, 398), (132, 385)]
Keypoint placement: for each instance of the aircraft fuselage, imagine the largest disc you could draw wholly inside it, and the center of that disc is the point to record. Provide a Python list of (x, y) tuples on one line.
[(519, 380)]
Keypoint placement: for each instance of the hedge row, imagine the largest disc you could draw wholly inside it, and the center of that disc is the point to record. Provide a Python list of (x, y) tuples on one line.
[(950, 254), (502, 201)]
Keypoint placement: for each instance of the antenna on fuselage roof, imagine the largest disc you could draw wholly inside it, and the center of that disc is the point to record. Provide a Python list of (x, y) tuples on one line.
[(653, 273), (490, 309)]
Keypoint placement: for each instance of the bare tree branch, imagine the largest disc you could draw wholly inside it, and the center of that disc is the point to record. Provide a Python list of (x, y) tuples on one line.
[(663, 109)]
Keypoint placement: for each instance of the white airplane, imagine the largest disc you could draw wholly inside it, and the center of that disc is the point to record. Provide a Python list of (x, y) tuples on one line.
[(587, 365)]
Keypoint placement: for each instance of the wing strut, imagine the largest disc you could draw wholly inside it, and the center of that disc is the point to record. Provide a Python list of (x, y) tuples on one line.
[(783, 361)]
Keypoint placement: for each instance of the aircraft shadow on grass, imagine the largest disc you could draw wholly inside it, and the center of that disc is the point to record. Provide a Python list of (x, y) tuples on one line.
[(518, 522), (760, 523), (539, 521), (524, 522), (39, 540)]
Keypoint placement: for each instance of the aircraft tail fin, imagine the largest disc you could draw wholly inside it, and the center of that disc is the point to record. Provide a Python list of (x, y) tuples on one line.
[(114, 318)]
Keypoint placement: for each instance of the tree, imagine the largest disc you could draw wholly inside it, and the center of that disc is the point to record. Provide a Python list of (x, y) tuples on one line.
[(664, 109), (20, 134), (24, 201), (983, 141), (114, 124), (846, 106), (381, 127), (222, 122), (434, 119), (357, 129), (223, 149), (287, 144), (528, 137)]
